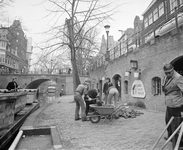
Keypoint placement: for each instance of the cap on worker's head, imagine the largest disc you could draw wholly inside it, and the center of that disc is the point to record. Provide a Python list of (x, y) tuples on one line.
[(108, 79), (110, 84), (87, 80), (168, 68)]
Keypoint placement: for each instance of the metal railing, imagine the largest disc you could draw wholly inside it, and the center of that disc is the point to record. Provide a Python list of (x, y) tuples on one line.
[(134, 41)]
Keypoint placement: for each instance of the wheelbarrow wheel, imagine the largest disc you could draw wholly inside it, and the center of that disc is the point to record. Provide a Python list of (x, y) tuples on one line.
[(95, 118)]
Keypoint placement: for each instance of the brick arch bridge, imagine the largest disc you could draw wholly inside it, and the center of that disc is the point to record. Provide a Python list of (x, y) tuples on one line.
[(33, 81)]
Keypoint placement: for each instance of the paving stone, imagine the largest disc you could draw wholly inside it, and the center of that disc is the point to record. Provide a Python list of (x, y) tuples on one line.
[(138, 133)]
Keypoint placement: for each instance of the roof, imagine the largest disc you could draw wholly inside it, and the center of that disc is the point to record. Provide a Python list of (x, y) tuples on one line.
[(150, 5)]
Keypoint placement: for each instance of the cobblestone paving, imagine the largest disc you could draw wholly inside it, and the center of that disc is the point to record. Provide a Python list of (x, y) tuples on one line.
[(138, 133)]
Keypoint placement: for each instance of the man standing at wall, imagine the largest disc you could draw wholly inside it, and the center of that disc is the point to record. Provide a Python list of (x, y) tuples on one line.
[(172, 87), (12, 85), (105, 88)]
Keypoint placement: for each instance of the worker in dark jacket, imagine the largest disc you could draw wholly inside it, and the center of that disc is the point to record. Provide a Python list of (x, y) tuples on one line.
[(105, 88), (12, 86), (90, 98)]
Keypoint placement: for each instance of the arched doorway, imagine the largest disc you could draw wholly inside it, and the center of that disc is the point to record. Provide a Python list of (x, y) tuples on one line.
[(177, 63), (117, 83)]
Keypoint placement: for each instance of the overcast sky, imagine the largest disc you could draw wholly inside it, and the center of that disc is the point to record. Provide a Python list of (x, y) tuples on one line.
[(31, 14)]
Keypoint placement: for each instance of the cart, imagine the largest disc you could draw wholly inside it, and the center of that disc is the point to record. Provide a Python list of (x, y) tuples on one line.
[(104, 111)]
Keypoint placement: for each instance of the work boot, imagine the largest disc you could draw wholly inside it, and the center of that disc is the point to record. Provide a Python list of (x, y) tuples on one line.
[(116, 117), (84, 119), (77, 119)]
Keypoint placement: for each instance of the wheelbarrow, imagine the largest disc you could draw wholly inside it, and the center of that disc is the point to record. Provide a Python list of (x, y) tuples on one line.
[(104, 111)]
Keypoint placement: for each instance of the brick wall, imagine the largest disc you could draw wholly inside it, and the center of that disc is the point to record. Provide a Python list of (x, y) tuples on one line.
[(151, 59)]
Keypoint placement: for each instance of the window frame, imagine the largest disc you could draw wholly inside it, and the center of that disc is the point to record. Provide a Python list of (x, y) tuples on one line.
[(181, 2), (173, 4), (150, 17), (125, 87), (156, 86), (146, 22), (161, 9), (155, 14)]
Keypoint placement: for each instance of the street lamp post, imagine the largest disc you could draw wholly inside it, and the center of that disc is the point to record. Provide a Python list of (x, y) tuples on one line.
[(51, 66), (107, 57), (107, 27)]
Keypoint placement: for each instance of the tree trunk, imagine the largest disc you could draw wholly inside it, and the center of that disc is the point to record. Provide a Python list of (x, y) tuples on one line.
[(76, 80)]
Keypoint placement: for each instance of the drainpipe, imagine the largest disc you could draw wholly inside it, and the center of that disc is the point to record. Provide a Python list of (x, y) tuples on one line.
[(166, 10), (176, 20)]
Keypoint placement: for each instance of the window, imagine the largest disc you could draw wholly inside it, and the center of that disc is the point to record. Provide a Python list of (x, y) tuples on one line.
[(150, 19), (126, 87), (3, 59), (155, 14), (161, 9), (181, 2), (145, 22), (149, 36), (173, 4), (129, 40), (156, 86), (2, 44)]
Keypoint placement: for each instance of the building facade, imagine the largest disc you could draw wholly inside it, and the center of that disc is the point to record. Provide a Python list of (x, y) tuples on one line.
[(29, 52), (161, 17), (138, 71), (15, 49), (9, 59)]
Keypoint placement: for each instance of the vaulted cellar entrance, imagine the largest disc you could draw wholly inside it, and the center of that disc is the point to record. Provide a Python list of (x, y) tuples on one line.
[(178, 64)]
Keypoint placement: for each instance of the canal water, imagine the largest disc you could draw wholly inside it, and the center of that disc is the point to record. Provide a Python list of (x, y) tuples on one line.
[(43, 99)]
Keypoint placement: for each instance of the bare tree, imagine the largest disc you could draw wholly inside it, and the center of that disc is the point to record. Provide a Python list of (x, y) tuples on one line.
[(47, 63), (87, 49), (3, 5), (82, 16)]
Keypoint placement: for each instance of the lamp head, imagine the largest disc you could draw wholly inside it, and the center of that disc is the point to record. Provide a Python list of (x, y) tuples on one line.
[(107, 27)]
